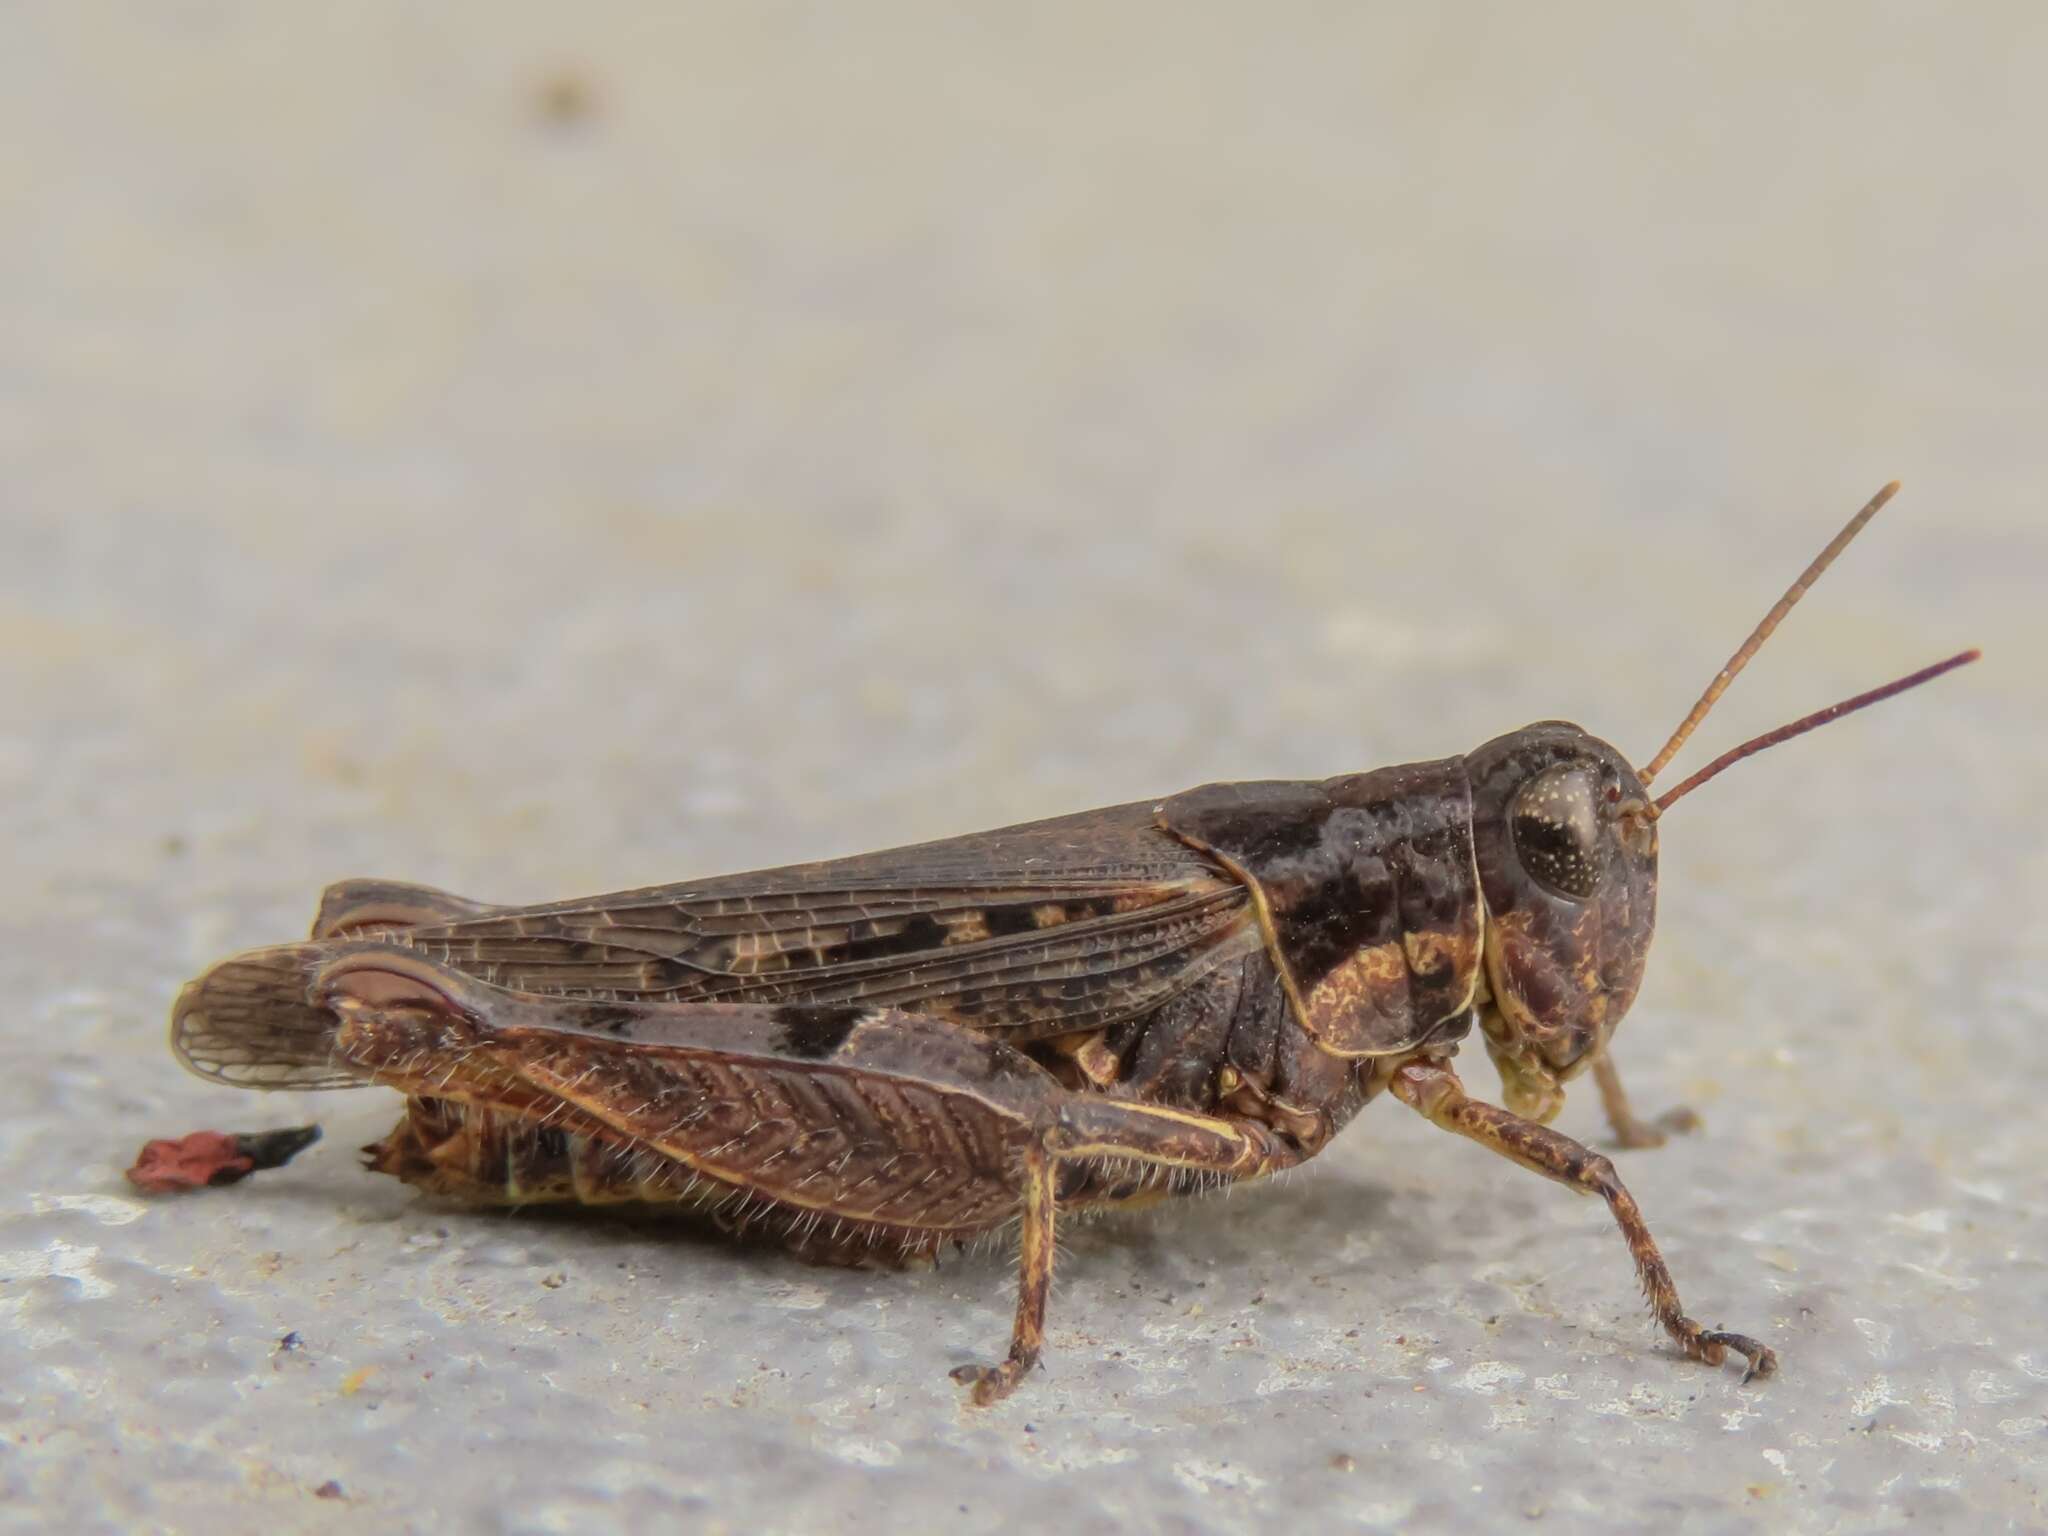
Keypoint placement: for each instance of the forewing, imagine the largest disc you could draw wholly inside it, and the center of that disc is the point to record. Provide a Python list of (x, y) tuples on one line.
[(1036, 930)]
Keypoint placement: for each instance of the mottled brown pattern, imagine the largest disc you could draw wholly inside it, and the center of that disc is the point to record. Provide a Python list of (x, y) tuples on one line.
[(1366, 891)]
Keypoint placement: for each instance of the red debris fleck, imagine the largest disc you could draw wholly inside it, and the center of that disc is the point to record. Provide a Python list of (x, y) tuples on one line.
[(216, 1157), (191, 1162)]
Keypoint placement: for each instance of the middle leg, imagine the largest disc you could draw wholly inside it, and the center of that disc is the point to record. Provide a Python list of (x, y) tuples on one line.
[(1079, 1127)]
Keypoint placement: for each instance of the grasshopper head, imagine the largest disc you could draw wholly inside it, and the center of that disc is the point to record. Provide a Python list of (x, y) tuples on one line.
[(1566, 842), (1565, 834)]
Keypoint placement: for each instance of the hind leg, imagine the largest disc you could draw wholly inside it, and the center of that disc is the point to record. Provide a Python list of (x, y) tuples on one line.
[(831, 1122)]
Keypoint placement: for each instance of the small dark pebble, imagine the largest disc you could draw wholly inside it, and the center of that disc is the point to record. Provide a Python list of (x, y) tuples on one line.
[(329, 1490)]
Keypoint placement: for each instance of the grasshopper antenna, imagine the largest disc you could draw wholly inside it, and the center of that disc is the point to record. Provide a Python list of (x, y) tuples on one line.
[(1810, 722), (1762, 632)]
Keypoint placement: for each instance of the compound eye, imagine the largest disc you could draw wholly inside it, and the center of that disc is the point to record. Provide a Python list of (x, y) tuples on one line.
[(1555, 823)]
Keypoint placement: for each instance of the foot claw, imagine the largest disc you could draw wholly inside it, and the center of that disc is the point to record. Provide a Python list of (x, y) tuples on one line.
[(1711, 1347), (1636, 1133), (990, 1383)]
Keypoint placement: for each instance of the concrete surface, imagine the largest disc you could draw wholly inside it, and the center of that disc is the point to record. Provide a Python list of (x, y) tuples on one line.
[(538, 455)]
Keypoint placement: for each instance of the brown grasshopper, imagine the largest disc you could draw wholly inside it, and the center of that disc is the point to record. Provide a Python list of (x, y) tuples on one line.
[(871, 1057)]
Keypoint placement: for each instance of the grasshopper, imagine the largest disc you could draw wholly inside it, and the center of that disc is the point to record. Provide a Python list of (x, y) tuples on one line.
[(868, 1058)]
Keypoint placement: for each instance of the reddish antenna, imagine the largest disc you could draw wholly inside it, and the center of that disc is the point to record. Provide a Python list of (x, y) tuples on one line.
[(1814, 721), (1762, 632)]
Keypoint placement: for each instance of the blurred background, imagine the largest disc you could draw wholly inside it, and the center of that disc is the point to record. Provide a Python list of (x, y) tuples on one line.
[(536, 451)]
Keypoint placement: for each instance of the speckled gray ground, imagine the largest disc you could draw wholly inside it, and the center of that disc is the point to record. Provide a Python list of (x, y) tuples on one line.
[(536, 456)]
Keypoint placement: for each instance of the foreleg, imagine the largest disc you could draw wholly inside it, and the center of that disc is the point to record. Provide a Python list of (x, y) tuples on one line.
[(1432, 1089), (1630, 1131)]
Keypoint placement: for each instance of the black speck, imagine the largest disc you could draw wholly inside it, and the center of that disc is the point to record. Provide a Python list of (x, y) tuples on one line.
[(1007, 920), (815, 1032)]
